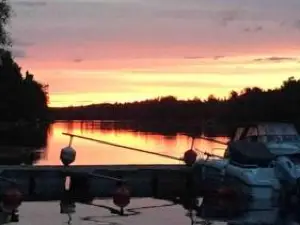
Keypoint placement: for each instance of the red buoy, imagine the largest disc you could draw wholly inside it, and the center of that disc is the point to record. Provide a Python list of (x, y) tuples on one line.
[(12, 199), (121, 197), (190, 157)]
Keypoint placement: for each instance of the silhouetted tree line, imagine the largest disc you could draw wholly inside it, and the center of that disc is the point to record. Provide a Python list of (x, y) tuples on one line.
[(22, 101), (251, 104), (22, 98)]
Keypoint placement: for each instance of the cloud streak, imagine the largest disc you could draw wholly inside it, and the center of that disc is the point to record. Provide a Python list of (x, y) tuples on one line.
[(254, 29), (187, 84), (19, 53), (276, 59), (78, 60), (181, 37), (29, 3), (297, 24), (21, 43), (230, 16)]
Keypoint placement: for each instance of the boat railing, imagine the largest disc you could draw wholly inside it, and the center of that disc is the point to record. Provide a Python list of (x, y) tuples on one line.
[(274, 138), (208, 155)]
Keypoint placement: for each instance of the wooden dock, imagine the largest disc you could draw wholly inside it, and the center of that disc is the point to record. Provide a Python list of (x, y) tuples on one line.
[(46, 183)]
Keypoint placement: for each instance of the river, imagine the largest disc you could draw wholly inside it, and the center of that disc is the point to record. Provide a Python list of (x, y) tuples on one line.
[(140, 211), (89, 152)]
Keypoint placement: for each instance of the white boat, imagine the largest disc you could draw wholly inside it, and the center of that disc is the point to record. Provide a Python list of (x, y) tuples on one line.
[(254, 213), (262, 161)]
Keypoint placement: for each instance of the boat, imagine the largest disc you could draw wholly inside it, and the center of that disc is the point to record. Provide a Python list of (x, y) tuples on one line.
[(235, 213), (261, 161)]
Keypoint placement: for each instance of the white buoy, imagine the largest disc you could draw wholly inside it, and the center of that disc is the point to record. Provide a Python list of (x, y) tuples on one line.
[(67, 155)]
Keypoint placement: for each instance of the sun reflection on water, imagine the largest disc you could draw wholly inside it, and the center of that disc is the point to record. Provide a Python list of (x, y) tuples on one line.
[(94, 153)]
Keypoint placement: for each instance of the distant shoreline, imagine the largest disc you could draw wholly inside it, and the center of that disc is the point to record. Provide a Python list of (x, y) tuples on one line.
[(169, 113)]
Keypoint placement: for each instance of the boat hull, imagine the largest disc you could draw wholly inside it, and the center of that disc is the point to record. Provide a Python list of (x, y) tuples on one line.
[(250, 183)]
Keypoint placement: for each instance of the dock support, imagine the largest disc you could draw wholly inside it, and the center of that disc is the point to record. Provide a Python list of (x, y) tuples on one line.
[(43, 183)]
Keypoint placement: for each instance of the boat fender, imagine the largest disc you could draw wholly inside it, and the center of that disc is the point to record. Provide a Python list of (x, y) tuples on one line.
[(285, 170)]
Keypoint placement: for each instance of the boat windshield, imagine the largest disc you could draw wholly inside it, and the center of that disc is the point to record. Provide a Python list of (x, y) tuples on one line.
[(274, 132), (275, 138)]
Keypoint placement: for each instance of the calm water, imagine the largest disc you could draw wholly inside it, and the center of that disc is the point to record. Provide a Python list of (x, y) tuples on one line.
[(94, 153), (141, 211), (152, 212)]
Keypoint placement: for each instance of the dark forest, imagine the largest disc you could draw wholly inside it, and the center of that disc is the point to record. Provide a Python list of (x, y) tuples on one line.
[(22, 97), (251, 104)]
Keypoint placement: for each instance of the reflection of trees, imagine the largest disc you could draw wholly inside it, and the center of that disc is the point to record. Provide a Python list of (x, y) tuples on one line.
[(121, 126), (237, 211), (23, 104), (24, 143), (25, 134)]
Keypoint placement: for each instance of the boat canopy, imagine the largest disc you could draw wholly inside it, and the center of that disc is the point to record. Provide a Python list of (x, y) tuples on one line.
[(254, 131), (250, 144), (249, 153)]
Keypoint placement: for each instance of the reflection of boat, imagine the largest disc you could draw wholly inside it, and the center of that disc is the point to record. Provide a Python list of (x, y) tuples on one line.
[(257, 212), (260, 161)]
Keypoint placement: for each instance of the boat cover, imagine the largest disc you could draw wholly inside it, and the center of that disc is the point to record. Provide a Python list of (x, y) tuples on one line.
[(264, 129), (250, 153), (276, 129)]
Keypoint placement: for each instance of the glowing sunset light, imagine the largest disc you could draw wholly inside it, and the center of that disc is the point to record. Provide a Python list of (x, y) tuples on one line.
[(129, 50)]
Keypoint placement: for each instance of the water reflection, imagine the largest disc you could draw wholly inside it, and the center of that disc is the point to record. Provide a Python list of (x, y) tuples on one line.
[(23, 143), (38, 143), (122, 133), (207, 212), (229, 212)]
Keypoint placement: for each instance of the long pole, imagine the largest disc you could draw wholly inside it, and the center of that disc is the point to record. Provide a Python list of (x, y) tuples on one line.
[(122, 146), (213, 140)]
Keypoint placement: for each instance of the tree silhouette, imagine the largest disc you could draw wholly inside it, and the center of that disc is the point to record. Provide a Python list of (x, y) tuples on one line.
[(5, 14), (251, 104), (233, 95), (21, 97)]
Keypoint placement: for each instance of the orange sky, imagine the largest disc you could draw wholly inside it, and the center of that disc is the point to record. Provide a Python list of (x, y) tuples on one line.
[(127, 50)]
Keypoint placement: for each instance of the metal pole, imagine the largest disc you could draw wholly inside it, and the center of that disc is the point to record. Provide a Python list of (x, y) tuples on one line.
[(122, 146)]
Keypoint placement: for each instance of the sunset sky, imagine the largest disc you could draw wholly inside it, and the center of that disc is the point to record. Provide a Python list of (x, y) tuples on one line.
[(126, 50)]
